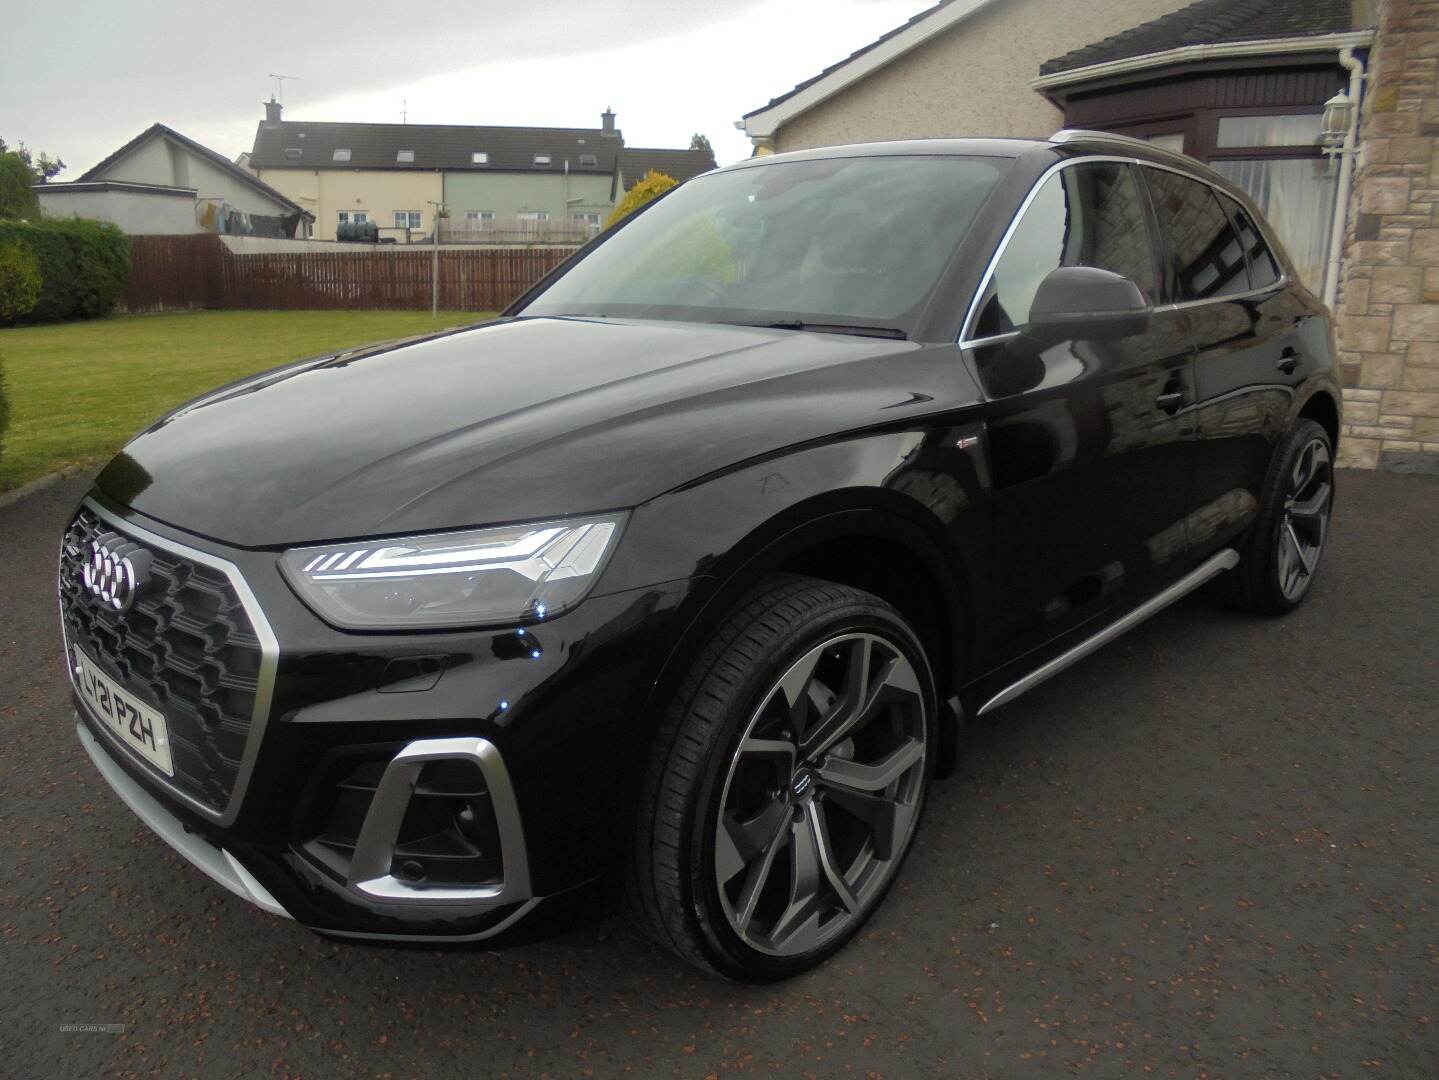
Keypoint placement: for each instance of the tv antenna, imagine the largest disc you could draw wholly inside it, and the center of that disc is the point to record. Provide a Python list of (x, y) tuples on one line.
[(280, 84), (404, 110)]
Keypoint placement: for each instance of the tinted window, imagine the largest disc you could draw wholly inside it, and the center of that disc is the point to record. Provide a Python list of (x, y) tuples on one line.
[(859, 240), (1085, 215), (1205, 257), (1263, 267)]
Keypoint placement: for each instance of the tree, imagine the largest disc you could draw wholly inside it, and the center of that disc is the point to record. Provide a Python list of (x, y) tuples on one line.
[(16, 198), (43, 167), (651, 187), (701, 142)]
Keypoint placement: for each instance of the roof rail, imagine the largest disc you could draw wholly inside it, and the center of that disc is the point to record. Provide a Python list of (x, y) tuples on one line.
[(1069, 135), (1077, 135)]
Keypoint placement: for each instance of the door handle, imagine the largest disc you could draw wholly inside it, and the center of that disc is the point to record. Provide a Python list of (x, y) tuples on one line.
[(1170, 401), (1288, 361)]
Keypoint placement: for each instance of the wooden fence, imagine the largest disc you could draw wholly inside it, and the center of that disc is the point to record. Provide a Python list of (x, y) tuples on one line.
[(172, 272)]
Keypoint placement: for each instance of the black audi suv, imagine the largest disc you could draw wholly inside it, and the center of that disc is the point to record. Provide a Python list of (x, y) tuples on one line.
[(675, 582)]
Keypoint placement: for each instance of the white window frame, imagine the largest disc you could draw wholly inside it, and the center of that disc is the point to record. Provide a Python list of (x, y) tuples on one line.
[(588, 218), (544, 160), (412, 219), (404, 157), (483, 217), (341, 154), (479, 157), (356, 217), (533, 215)]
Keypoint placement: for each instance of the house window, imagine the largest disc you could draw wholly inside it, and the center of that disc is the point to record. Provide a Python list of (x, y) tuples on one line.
[(531, 219), (357, 217), (405, 157), (480, 217), (342, 155), (588, 161), (542, 159), (479, 157), (1292, 129), (407, 219), (589, 219), (292, 153)]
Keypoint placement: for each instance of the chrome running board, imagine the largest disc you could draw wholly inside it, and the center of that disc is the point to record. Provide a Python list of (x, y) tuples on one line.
[(1225, 560)]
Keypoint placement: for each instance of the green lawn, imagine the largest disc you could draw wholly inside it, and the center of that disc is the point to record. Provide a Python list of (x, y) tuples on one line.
[(78, 391)]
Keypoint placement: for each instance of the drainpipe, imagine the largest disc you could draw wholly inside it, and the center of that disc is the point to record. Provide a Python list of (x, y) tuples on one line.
[(1355, 67)]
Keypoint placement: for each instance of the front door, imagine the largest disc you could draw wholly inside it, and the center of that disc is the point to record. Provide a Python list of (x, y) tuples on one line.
[(1090, 447)]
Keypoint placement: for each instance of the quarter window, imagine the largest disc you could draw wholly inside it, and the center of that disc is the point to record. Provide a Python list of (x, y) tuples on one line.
[(1263, 268), (1089, 214), (1206, 259)]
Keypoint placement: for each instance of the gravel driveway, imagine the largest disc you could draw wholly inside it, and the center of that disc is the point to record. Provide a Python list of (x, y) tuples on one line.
[(1208, 851)]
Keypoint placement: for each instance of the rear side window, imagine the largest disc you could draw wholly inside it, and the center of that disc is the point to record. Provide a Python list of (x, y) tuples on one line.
[(1206, 259), (1263, 266), (1089, 214)]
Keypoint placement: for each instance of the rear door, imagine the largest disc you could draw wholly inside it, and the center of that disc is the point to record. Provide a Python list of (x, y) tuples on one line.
[(1089, 444), (1245, 325)]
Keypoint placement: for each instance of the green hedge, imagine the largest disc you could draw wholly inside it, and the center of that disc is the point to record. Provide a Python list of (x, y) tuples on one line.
[(84, 266)]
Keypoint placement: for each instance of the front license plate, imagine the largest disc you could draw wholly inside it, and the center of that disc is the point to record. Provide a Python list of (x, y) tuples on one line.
[(138, 725)]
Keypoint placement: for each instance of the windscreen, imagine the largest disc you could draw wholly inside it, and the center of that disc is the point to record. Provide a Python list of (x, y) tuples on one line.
[(859, 241)]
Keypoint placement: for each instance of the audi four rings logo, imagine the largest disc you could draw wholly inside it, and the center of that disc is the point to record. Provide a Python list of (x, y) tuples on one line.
[(116, 570)]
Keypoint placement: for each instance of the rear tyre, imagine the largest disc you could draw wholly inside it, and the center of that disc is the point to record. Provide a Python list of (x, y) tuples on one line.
[(786, 781), (1279, 556)]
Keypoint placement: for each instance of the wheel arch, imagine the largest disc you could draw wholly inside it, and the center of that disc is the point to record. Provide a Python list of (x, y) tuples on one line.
[(874, 539), (1322, 407)]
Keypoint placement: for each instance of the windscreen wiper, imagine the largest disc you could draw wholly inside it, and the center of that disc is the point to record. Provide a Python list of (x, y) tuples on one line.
[(831, 328)]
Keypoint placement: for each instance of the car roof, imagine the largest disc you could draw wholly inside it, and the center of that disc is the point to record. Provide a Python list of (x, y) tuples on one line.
[(1067, 143)]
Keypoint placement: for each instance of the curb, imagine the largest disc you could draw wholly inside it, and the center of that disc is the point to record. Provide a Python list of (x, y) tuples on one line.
[(9, 498)]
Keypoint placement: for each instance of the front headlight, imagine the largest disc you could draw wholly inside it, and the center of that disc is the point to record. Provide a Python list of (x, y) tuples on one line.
[(518, 573)]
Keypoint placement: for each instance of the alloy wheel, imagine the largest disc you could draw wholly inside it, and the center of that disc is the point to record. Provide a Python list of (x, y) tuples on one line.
[(1306, 518), (822, 794)]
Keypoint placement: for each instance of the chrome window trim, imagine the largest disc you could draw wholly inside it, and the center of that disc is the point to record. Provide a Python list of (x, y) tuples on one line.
[(966, 342), (375, 847), (265, 682)]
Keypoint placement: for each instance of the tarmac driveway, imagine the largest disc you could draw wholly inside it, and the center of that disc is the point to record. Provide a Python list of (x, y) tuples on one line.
[(1208, 851)]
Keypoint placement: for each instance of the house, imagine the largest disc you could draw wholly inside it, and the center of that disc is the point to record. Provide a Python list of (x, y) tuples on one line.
[(636, 162), (491, 181), (164, 182), (1325, 111)]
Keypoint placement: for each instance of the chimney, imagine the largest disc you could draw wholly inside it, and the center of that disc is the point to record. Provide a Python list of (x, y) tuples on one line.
[(607, 121), (272, 110)]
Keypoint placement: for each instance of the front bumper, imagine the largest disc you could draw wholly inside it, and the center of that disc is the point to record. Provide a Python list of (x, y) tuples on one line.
[(537, 727)]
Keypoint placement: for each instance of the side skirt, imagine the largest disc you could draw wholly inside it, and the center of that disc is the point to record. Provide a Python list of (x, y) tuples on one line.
[(1212, 567)]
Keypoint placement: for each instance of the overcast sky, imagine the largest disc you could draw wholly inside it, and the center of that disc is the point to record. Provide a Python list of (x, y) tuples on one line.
[(79, 79)]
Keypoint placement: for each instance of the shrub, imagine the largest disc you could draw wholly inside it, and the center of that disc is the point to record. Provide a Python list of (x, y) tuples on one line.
[(16, 198), (83, 265), (19, 281), (650, 188)]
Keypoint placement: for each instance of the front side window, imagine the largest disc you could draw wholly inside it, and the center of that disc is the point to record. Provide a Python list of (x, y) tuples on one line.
[(407, 219), (858, 241), (1206, 259), (1090, 214)]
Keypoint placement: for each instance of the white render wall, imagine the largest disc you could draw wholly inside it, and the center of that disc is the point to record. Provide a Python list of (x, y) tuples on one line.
[(137, 213)]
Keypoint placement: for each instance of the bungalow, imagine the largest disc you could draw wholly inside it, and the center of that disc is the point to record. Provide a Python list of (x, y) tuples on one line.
[(1325, 111)]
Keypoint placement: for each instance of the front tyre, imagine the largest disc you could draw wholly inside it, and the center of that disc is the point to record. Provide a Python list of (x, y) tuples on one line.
[(786, 781), (1279, 556)]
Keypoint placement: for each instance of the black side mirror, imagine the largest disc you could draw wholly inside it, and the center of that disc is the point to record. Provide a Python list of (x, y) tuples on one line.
[(1085, 303)]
